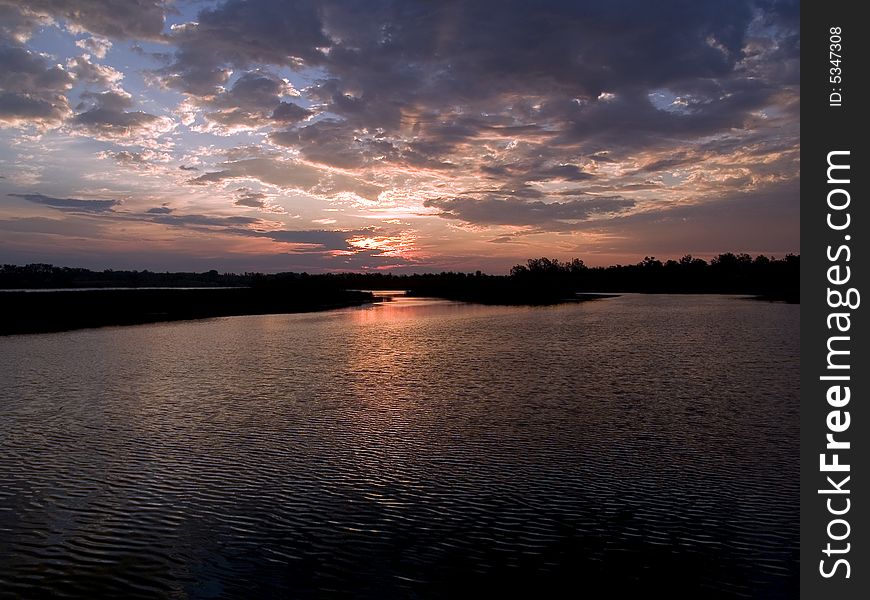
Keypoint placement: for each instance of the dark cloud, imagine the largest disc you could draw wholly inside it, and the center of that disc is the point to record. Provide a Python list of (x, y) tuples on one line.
[(252, 101), (251, 199), (254, 90), (74, 204), (17, 108), (32, 91), (333, 143), (394, 52), (534, 170), (240, 34), (677, 159), (542, 216), (159, 57), (28, 71), (562, 172), (631, 122), (288, 112), (16, 24), (112, 100), (423, 84), (551, 116), (316, 240), (142, 19), (327, 142), (321, 238), (202, 220), (109, 119)]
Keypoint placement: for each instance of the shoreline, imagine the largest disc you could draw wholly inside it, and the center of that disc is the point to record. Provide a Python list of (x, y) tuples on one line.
[(28, 312), (41, 311), (35, 311)]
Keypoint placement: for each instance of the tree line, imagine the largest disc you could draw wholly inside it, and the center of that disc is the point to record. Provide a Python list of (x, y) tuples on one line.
[(544, 279)]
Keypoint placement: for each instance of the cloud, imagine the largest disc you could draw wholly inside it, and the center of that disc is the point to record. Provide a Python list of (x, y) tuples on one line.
[(288, 112), (315, 241), (89, 72), (240, 34), (328, 142), (122, 19), (291, 175), (561, 117), (28, 71), (535, 170), (32, 91), (383, 55), (97, 46), (109, 120), (17, 23), (321, 238), (251, 102), (419, 80), (202, 220), (145, 159), (248, 198), (92, 206), (516, 92), (18, 110), (542, 216), (560, 172)]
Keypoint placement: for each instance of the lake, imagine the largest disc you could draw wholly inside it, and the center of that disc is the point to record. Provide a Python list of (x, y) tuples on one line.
[(415, 449)]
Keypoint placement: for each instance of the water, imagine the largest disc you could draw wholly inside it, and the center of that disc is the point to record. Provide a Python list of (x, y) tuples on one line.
[(414, 449)]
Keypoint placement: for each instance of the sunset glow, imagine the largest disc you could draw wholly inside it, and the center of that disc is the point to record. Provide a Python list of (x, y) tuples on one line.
[(336, 135)]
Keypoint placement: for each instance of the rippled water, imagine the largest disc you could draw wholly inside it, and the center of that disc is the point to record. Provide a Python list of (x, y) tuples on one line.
[(414, 449)]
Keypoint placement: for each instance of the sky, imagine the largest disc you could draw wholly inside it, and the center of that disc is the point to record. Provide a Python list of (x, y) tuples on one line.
[(404, 135)]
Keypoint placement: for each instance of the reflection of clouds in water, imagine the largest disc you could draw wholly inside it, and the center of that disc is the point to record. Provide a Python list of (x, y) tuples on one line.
[(360, 449)]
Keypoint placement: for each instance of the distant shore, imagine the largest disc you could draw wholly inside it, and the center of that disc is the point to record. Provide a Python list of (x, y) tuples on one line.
[(47, 311), (44, 312), (54, 310), (74, 298)]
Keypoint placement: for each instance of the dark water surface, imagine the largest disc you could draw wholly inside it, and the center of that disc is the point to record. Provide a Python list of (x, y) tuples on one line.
[(414, 449)]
